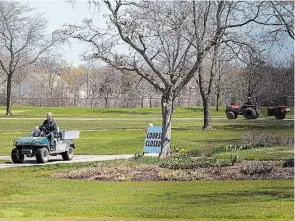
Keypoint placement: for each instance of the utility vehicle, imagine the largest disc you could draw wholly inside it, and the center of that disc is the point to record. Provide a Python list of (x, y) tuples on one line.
[(37, 145), (249, 110)]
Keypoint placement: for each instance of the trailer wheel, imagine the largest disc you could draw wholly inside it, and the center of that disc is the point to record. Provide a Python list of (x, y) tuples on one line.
[(230, 115), (69, 154), (280, 116), (42, 155), (16, 157), (249, 113)]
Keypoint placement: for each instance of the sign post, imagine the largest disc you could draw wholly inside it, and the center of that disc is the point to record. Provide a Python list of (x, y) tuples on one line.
[(152, 143)]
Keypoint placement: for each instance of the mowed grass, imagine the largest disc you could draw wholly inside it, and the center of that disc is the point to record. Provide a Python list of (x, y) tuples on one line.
[(115, 136), (269, 153), (142, 113), (28, 193)]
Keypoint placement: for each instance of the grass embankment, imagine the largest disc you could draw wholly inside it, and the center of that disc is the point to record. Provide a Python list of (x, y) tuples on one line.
[(28, 193)]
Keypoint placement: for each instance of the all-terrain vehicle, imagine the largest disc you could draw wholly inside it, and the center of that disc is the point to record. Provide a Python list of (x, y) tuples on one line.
[(249, 110), (37, 145)]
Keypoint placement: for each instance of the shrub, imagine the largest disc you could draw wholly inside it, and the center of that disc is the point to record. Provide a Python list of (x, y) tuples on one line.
[(252, 139), (256, 168)]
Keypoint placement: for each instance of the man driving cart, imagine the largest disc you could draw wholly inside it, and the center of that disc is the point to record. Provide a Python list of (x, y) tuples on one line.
[(49, 127)]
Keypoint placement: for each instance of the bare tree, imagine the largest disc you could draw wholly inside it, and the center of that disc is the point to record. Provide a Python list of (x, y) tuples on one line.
[(165, 43), (75, 77), (278, 16), (22, 41), (253, 74), (224, 77), (278, 83), (109, 83), (51, 69)]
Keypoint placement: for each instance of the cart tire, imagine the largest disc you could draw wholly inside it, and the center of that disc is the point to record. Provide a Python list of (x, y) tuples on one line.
[(42, 155), (16, 157), (69, 154)]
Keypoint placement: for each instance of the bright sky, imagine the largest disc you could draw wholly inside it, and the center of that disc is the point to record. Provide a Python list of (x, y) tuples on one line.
[(59, 12)]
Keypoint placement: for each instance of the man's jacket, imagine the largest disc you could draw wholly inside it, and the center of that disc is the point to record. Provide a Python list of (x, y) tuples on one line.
[(51, 126)]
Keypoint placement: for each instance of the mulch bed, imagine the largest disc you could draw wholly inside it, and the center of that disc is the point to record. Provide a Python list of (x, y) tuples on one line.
[(248, 170)]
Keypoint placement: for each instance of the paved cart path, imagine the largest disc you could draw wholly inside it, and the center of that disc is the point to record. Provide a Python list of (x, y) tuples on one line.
[(144, 119), (58, 159)]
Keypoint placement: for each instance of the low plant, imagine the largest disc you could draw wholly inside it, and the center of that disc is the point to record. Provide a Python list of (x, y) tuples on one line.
[(175, 150), (188, 162), (256, 167), (207, 151), (254, 139), (230, 161)]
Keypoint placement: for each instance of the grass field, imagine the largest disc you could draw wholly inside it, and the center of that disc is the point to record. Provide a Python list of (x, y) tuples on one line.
[(123, 131), (142, 113), (29, 194)]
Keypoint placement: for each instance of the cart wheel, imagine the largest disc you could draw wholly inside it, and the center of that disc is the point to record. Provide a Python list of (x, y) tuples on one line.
[(42, 155), (69, 154), (17, 157)]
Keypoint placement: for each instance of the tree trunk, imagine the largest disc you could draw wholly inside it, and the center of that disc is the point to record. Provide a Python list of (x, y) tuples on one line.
[(106, 102), (50, 84), (8, 97), (206, 103), (206, 106), (141, 101), (217, 100), (167, 107)]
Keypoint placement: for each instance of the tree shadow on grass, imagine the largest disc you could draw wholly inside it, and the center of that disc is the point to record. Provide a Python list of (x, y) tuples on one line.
[(231, 127), (261, 195), (194, 109), (239, 127), (216, 140), (128, 112)]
